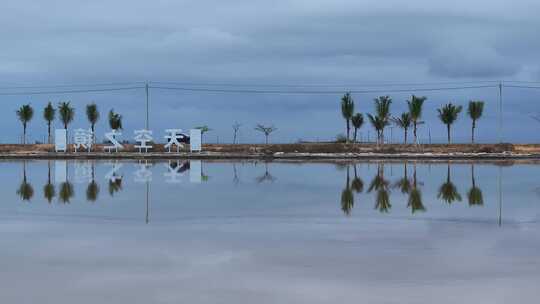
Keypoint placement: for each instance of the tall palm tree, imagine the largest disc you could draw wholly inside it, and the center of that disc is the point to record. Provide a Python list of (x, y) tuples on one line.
[(92, 113), (357, 122), (115, 120), (347, 111), (67, 114), (382, 115), (25, 114), (475, 112), (415, 105), (404, 122), (265, 130), (448, 114), (49, 114)]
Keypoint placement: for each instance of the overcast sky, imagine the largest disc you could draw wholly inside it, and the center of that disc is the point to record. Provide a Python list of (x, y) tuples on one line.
[(326, 45)]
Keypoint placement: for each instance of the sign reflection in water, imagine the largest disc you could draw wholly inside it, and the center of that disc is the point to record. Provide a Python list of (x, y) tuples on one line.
[(383, 187)]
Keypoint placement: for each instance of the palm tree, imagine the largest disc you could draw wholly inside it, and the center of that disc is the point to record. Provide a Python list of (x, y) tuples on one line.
[(49, 192), (266, 130), (115, 120), (115, 185), (48, 114), (204, 129), (236, 127), (448, 191), (378, 125), (25, 114), (415, 105), (67, 114), (475, 112), (25, 191), (382, 118), (475, 193), (347, 111), (448, 114), (404, 122), (92, 113), (357, 122)]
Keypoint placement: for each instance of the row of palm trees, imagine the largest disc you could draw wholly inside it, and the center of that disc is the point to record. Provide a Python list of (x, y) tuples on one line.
[(66, 115), (448, 114)]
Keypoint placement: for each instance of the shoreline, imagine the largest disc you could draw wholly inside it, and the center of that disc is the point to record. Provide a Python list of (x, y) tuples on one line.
[(294, 152)]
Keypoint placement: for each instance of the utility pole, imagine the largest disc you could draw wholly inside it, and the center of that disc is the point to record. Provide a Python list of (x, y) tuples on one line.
[(500, 112), (147, 123)]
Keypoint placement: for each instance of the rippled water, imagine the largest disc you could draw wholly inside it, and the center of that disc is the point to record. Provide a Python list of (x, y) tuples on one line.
[(244, 232)]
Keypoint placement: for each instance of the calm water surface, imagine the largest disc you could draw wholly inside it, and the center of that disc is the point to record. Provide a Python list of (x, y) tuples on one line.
[(254, 232)]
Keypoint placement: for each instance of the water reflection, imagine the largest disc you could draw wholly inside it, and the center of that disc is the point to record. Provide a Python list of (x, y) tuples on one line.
[(66, 192), (25, 191), (475, 193), (92, 191), (382, 187), (49, 191), (448, 191), (403, 192), (266, 177), (415, 196)]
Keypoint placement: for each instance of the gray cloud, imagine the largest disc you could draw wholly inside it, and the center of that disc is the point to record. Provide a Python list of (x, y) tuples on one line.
[(260, 42)]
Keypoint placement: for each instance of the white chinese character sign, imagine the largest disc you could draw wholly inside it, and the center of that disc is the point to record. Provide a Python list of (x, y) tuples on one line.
[(173, 136), (143, 137), (112, 138), (60, 140), (195, 140), (83, 139)]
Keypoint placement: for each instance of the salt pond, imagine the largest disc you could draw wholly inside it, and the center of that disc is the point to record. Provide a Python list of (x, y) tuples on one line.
[(255, 232)]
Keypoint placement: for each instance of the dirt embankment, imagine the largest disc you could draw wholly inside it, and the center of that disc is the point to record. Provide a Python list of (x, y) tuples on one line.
[(313, 148)]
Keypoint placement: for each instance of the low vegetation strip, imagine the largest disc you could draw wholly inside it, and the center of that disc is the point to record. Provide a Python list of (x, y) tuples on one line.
[(299, 150)]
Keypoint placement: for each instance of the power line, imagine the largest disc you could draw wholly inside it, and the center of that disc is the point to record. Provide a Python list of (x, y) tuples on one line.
[(68, 91), (366, 84), (247, 91), (70, 85), (521, 87)]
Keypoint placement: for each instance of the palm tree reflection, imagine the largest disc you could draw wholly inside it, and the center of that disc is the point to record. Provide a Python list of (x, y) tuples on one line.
[(381, 185), (25, 191), (92, 191), (357, 183), (415, 196), (266, 176), (49, 191), (448, 191), (404, 184), (66, 192), (347, 196), (115, 185), (475, 193)]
